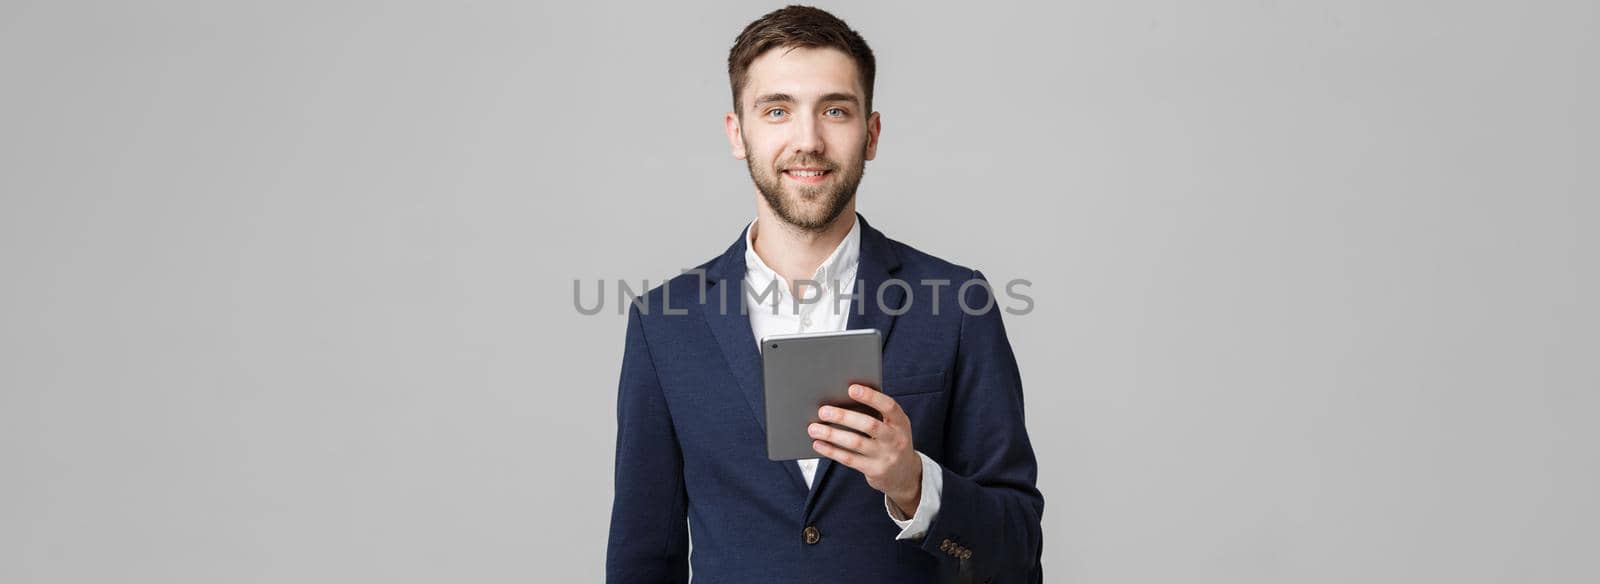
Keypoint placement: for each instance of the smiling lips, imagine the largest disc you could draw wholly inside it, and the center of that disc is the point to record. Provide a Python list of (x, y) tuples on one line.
[(807, 175)]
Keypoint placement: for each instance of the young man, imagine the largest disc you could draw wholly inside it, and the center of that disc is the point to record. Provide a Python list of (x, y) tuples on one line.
[(942, 489)]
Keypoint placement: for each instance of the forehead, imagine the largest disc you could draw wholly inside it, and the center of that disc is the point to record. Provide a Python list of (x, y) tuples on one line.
[(803, 72)]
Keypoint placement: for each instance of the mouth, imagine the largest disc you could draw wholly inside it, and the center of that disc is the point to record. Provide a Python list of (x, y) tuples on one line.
[(807, 175)]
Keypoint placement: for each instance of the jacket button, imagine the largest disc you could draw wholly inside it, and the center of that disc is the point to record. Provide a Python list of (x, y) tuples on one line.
[(945, 547), (966, 554), (812, 535)]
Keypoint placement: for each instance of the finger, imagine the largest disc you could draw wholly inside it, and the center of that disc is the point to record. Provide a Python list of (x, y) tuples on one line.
[(842, 438), (852, 419), (877, 400), (839, 455)]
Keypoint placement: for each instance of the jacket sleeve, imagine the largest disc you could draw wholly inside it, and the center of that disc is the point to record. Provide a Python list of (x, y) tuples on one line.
[(988, 526), (649, 540)]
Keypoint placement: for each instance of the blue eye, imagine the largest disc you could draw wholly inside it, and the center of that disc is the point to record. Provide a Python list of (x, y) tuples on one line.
[(774, 111), (834, 109)]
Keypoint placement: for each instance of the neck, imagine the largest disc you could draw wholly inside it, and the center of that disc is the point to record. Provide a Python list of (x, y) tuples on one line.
[(792, 252)]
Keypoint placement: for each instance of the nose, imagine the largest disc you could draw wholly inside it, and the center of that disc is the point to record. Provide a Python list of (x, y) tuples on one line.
[(807, 137)]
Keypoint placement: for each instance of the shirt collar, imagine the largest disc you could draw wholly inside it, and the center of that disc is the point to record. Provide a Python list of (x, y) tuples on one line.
[(839, 265)]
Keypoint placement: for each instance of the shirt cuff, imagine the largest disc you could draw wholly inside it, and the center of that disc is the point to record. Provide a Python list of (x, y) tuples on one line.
[(927, 505)]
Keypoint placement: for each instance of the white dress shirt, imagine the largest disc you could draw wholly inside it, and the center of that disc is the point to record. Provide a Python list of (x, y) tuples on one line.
[(773, 310)]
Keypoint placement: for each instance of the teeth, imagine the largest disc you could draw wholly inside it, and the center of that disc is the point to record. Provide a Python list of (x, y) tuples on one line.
[(807, 172)]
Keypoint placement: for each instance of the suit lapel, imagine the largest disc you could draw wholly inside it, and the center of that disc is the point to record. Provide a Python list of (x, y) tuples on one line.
[(730, 324)]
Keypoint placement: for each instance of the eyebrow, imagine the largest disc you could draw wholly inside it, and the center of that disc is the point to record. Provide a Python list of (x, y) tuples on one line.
[(786, 98)]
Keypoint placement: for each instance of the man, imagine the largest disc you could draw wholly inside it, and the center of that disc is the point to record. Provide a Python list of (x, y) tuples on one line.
[(942, 489)]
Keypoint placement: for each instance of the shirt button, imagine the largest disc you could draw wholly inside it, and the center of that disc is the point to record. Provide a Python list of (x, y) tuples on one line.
[(811, 534), (806, 321)]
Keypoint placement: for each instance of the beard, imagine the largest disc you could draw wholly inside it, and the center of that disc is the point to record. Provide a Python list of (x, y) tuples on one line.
[(810, 208)]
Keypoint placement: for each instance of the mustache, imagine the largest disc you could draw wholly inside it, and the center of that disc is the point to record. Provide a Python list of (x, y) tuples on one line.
[(809, 163)]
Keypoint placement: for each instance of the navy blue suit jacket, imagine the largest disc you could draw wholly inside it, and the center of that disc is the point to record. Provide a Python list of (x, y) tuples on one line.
[(691, 447)]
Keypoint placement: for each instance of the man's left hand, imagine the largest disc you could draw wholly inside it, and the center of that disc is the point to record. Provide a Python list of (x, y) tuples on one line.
[(882, 451)]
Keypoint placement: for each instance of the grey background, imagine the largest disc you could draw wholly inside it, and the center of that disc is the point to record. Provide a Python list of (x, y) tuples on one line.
[(288, 286)]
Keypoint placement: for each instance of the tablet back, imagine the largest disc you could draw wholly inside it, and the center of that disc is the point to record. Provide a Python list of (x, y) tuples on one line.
[(801, 372)]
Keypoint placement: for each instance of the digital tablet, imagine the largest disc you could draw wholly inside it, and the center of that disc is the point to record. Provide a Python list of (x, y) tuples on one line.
[(801, 372)]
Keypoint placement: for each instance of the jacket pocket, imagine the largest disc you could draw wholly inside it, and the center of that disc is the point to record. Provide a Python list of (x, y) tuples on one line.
[(914, 384)]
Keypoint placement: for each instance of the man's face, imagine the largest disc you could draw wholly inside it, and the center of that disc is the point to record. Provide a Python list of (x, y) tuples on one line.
[(804, 131)]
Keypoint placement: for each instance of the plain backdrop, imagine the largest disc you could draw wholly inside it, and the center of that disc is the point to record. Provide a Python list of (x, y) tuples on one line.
[(288, 286)]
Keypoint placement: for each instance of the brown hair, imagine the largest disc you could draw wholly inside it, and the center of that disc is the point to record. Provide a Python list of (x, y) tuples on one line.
[(798, 26)]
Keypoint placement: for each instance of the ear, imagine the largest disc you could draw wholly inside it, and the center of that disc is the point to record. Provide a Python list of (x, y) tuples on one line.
[(874, 125), (735, 137)]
